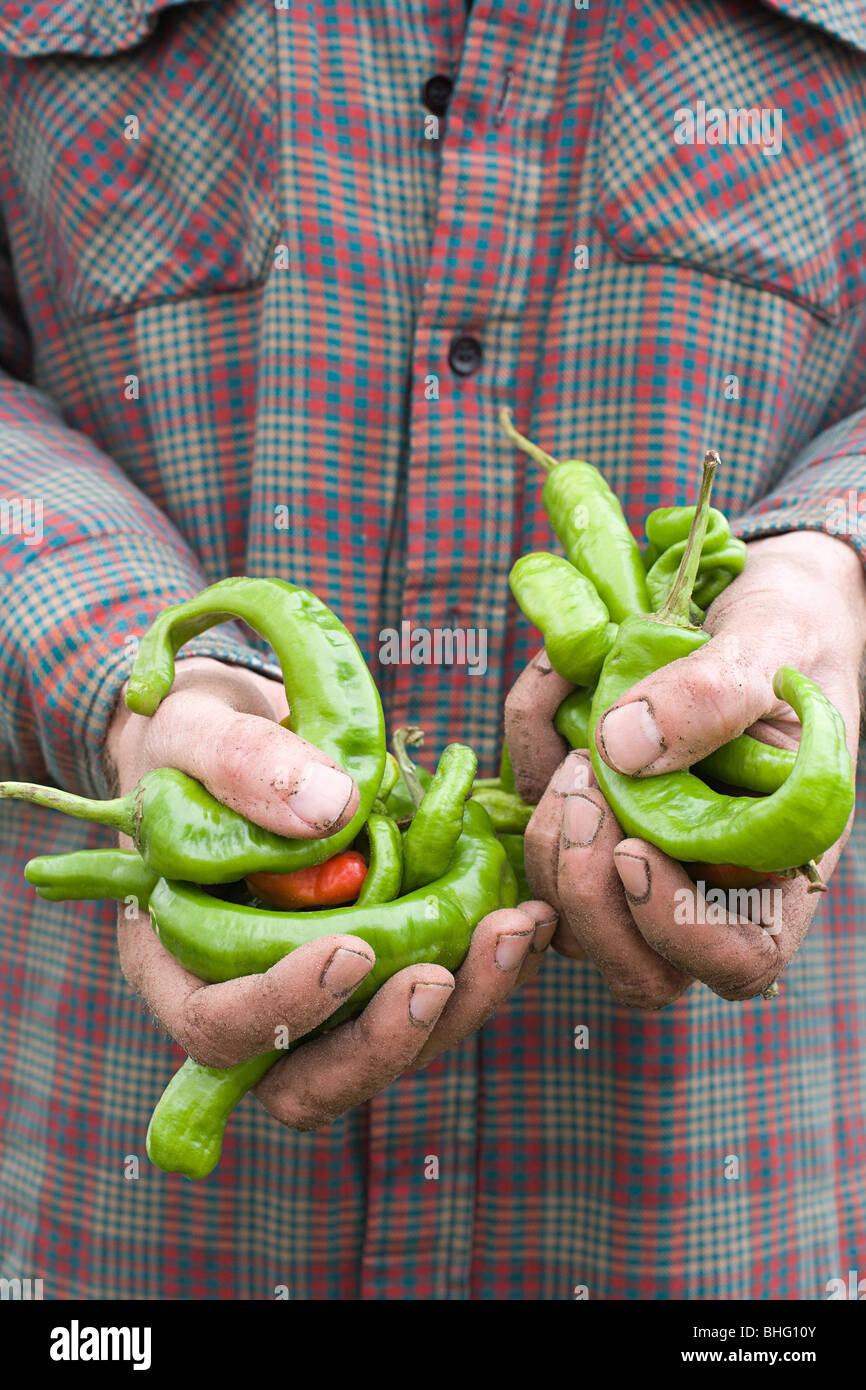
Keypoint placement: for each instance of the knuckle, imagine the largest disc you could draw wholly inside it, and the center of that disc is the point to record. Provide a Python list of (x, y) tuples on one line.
[(233, 749), (724, 688), (750, 981), (710, 681)]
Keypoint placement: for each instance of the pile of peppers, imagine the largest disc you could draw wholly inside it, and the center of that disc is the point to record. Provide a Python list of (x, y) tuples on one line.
[(610, 616), (434, 866), (426, 856)]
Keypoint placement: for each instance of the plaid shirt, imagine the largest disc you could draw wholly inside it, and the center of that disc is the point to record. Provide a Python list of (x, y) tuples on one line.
[(238, 251)]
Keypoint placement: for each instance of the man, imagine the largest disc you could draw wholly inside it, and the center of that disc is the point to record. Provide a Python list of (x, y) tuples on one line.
[(269, 274)]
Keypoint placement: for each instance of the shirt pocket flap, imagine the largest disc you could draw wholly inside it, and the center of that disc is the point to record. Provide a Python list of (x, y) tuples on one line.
[(732, 141), (95, 28), (841, 19), (144, 172)]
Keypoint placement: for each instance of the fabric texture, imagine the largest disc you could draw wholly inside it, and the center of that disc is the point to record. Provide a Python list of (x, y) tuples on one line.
[(238, 249)]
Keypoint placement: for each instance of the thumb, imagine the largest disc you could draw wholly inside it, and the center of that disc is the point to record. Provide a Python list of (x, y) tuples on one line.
[(684, 711), (253, 765)]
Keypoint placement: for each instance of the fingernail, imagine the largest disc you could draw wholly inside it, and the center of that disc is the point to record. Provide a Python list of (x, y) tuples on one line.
[(427, 1002), (634, 875), (542, 663), (321, 795), (511, 948), (581, 822), (344, 972), (630, 737), (544, 933), (572, 775)]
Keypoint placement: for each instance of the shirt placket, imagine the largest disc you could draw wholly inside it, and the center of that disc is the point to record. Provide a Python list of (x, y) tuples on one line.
[(457, 549)]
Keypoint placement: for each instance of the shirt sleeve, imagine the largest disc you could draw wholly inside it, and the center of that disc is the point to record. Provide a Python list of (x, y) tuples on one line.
[(87, 563), (823, 489)]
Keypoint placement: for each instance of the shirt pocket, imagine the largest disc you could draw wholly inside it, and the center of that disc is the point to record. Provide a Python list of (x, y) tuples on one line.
[(733, 140), (139, 147)]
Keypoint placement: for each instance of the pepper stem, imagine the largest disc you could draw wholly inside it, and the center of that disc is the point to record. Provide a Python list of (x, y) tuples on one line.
[(119, 813), (812, 874), (677, 608), (547, 461), (410, 737)]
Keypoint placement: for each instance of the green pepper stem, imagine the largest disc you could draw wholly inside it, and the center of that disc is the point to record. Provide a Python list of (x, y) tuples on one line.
[(410, 737), (119, 813), (547, 461), (812, 874), (677, 608)]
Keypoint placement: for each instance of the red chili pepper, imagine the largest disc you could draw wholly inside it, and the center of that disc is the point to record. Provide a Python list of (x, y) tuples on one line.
[(332, 883)]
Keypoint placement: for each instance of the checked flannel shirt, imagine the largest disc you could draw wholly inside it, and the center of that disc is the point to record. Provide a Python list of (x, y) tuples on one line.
[(259, 306)]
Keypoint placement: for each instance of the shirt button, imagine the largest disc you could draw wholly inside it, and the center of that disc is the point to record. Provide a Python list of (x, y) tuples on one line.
[(436, 93), (464, 355)]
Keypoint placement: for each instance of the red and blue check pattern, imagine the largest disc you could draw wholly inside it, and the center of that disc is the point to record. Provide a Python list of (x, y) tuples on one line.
[(233, 268)]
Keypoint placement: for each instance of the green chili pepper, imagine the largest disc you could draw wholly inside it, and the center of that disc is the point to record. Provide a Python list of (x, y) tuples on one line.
[(722, 555), (590, 524), (572, 718), (91, 873), (746, 762), (181, 830), (668, 527), (506, 770), (221, 941), (677, 811), (389, 777), (513, 846), (508, 812), (385, 862), (434, 830), (564, 604)]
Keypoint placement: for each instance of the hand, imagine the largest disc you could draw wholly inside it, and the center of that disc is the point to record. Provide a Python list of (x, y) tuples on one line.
[(801, 601), (220, 725)]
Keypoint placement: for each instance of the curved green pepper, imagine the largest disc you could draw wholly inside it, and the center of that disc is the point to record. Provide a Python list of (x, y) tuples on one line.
[(506, 769), (572, 718), (384, 862), (722, 555), (91, 873), (435, 828), (565, 606), (179, 828), (513, 845), (589, 521), (508, 812)]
